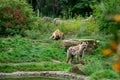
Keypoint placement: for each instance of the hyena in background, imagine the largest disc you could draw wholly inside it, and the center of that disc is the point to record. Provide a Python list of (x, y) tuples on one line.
[(57, 34), (77, 51)]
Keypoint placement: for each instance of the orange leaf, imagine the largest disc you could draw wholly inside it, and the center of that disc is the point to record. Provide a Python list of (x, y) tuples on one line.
[(116, 66), (106, 52), (116, 17)]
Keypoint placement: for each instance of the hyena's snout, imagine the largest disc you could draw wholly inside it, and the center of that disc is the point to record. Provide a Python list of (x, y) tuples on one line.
[(84, 46)]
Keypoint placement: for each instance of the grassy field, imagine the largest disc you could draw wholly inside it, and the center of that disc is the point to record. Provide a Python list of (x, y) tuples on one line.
[(36, 52), (25, 54), (17, 49)]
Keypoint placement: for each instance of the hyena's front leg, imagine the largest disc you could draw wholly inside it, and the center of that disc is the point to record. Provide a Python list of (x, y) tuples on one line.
[(51, 37), (82, 54), (67, 60), (78, 58)]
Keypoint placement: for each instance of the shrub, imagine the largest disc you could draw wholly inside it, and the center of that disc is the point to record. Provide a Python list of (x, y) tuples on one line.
[(105, 14), (16, 16)]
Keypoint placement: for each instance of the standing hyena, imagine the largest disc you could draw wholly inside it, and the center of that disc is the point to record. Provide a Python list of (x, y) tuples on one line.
[(77, 51)]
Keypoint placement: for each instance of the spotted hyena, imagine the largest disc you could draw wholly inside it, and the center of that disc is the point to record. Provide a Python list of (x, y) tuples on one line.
[(77, 51), (57, 34)]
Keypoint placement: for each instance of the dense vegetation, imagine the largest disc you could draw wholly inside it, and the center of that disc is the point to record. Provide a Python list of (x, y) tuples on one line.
[(24, 38), (15, 17), (67, 8)]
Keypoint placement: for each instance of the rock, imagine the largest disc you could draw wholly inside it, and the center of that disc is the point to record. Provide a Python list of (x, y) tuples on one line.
[(47, 74), (92, 44), (57, 21), (47, 19), (78, 69)]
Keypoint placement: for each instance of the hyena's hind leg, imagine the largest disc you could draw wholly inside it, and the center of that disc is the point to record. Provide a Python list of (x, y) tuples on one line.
[(69, 57)]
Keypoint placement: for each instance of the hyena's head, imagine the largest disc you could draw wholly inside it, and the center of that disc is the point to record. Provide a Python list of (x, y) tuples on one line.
[(84, 44)]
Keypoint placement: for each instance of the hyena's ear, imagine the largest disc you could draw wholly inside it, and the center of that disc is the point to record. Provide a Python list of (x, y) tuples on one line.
[(81, 42), (86, 42)]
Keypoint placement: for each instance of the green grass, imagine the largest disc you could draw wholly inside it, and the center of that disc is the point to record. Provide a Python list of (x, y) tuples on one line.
[(17, 49), (70, 26), (41, 66), (22, 50), (105, 74), (38, 49), (41, 53)]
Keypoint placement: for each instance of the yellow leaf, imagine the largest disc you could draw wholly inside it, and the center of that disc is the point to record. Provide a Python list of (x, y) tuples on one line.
[(106, 52), (116, 17)]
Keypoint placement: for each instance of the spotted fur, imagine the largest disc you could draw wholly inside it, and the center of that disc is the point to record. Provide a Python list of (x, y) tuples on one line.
[(77, 51)]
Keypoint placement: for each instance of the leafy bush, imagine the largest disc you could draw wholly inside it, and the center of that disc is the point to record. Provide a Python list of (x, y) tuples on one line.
[(105, 13), (16, 16), (108, 17)]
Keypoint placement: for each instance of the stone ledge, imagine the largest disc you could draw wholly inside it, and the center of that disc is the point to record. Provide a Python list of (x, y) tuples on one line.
[(47, 74), (92, 44)]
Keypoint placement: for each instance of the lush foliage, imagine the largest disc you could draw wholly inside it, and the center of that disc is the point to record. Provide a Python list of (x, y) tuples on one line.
[(36, 52), (16, 16), (77, 26), (63, 7), (106, 16)]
